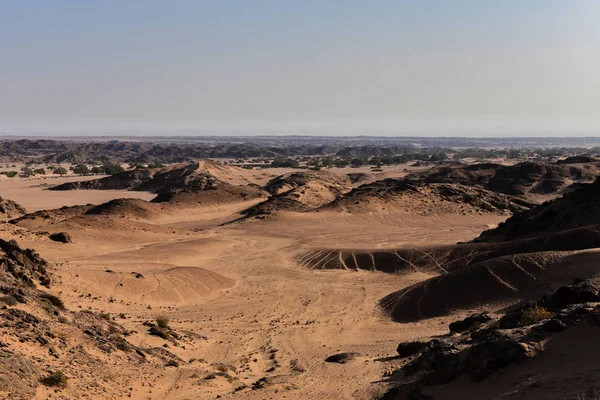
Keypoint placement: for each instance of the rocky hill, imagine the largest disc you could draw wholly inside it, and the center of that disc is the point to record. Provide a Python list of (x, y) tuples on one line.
[(301, 191), (549, 340), (576, 209), (46, 348), (427, 198), (518, 180), (191, 182), (10, 209)]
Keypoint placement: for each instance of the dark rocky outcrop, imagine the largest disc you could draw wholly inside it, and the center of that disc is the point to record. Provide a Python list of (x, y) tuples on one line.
[(576, 209), (21, 266), (578, 160), (473, 321), (408, 349), (61, 237), (31, 347), (11, 209), (492, 345), (515, 180), (341, 358)]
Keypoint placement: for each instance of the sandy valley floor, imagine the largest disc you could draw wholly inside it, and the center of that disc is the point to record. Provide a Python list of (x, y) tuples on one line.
[(260, 315)]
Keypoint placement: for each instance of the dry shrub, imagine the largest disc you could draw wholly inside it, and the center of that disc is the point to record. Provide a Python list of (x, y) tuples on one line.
[(534, 314), (160, 332), (54, 300), (8, 300), (105, 316), (162, 321), (55, 379), (123, 345), (296, 366)]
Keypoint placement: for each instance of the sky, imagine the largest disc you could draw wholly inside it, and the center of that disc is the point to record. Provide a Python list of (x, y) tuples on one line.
[(421, 67)]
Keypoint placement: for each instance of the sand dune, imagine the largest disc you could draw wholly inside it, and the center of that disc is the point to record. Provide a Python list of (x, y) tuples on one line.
[(471, 275), (148, 284)]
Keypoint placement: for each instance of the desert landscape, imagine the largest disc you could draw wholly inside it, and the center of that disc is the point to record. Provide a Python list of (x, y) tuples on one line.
[(432, 275), (300, 200)]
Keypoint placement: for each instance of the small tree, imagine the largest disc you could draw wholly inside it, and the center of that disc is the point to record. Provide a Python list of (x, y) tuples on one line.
[(60, 171), (112, 169), (26, 171), (39, 171), (81, 169), (284, 163)]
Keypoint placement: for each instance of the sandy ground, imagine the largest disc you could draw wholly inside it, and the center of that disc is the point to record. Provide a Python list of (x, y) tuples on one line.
[(260, 315), (31, 193)]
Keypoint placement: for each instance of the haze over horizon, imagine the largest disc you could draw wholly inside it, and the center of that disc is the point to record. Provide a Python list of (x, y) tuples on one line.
[(395, 68)]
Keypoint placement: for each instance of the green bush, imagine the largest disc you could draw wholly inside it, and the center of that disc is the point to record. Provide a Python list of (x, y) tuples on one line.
[(60, 171), (81, 169), (112, 169), (26, 171), (284, 163)]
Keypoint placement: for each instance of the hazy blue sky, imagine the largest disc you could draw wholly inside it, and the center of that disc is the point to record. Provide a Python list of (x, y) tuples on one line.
[(347, 66)]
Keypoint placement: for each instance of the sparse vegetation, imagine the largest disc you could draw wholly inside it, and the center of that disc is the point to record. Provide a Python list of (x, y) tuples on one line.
[(160, 332), (8, 300), (54, 300), (123, 345), (284, 163), (162, 321), (55, 379), (81, 169), (27, 172), (105, 316), (296, 366), (60, 171), (535, 314), (111, 169)]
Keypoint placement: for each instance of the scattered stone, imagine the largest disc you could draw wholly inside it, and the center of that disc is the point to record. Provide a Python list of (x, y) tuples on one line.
[(408, 349)]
